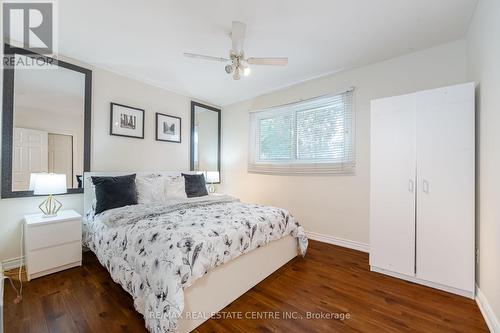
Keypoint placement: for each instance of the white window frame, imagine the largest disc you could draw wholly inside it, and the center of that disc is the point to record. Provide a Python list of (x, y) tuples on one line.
[(346, 167)]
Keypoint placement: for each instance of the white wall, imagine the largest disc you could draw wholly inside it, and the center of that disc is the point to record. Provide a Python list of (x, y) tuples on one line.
[(111, 153), (483, 51), (114, 153), (333, 205)]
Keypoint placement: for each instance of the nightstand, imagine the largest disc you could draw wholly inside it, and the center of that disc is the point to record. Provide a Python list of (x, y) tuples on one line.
[(52, 244)]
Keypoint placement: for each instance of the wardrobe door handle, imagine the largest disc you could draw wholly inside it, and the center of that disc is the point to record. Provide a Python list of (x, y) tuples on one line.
[(425, 186), (411, 186)]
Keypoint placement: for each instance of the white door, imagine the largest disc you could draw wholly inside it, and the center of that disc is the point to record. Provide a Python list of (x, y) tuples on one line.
[(29, 155), (445, 198), (61, 156), (392, 199)]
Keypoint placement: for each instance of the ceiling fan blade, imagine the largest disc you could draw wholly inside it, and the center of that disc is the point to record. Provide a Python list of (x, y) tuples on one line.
[(205, 57), (238, 36), (268, 61)]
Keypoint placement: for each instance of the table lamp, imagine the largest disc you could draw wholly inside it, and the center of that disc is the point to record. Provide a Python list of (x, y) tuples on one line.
[(212, 177), (48, 184)]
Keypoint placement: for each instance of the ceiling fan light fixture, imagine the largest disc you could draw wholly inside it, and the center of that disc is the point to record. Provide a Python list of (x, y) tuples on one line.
[(236, 64), (236, 75)]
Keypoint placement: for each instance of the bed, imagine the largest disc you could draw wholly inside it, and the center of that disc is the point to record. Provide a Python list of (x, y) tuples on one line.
[(185, 260)]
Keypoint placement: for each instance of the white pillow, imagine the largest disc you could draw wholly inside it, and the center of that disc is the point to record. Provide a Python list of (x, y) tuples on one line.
[(150, 189), (175, 188)]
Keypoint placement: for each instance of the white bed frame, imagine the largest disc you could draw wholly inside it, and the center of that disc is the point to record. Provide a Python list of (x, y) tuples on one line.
[(221, 286)]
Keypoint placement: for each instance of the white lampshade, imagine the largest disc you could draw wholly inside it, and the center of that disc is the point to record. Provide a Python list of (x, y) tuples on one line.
[(32, 180), (48, 183), (212, 177)]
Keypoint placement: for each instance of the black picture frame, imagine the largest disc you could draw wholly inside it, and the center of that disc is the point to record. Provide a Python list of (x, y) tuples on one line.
[(191, 154), (8, 118), (111, 120), (157, 116)]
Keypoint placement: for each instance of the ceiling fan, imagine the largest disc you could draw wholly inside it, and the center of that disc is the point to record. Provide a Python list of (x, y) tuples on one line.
[(237, 64)]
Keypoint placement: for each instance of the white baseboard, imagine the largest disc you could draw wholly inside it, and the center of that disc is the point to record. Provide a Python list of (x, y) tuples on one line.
[(12, 263), (488, 314), (338, 241)]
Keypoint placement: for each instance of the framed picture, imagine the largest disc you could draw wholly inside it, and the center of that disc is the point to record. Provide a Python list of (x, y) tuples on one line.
[(126, 121), (168, 128)]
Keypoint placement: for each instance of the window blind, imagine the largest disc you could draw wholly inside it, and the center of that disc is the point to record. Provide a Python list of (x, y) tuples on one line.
[(314, 136)]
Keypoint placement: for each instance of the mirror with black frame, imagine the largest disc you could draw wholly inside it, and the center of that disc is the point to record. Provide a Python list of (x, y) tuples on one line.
[(205, 140), (46, 124)]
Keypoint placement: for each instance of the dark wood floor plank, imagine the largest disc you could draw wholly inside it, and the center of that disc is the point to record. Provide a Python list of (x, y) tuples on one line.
[(57, 316), (329, 279)]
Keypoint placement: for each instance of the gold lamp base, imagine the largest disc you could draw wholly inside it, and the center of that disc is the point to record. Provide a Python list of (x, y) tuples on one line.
[(50, 206)]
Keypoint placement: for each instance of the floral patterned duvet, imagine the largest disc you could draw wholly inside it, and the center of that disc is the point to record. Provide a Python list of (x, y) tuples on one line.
[(155, 251)]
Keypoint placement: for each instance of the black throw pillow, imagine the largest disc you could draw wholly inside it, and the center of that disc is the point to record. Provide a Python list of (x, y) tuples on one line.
[(195, 185), (114, 192)]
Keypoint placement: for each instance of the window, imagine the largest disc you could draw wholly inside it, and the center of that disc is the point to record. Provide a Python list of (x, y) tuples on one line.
[(314, 136)]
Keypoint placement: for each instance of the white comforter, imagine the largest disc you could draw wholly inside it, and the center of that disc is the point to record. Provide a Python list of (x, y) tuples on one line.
[(155, 251)]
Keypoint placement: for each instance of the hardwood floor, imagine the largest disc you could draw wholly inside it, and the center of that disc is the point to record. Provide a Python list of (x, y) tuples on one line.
[(329, 280)]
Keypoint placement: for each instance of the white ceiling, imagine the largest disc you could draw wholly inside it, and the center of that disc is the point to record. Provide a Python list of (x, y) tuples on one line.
[(145, 39)]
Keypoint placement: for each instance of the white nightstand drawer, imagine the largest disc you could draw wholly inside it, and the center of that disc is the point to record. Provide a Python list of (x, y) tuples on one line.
[(53, 257), (43, 236), (53, 243)]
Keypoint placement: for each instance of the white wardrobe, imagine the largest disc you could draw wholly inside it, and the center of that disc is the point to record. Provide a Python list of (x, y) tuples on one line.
[(422, 217)]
